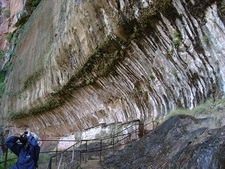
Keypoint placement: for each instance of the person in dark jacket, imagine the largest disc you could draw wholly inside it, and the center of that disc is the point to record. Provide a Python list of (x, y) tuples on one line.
[(26, 148)]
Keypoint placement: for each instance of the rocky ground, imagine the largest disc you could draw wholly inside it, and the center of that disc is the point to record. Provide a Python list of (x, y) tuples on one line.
[(180, 142)]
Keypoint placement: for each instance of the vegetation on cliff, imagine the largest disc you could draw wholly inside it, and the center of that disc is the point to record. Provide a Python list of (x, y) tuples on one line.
[(152, 56), (30, 6)]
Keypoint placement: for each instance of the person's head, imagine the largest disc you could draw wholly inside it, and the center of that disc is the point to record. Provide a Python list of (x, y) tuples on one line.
[(34, 135)]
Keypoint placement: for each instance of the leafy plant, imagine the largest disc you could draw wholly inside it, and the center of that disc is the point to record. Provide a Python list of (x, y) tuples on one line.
[(43, 158), (205, 108), (33, 78), (176, 42), (30, 6), (7, 66), (2, 87), (222, 8), (174, 72), (177, 39), (2, 84), (11, 159), (9, 36), (151, 76), (2, 54), (205, 39), (179, 111), (23, 19), (7, 13)]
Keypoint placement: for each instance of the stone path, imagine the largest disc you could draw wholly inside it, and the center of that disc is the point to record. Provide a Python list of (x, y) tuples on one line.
[(91, 164)]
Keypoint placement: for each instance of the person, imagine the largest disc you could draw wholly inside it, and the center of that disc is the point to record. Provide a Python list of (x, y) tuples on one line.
[(26, 149)]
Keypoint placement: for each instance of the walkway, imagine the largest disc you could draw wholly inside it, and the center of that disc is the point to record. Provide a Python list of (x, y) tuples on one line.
[(92, 164)]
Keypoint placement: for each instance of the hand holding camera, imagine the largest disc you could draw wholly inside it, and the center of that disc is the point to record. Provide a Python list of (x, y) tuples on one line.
[(22, 138)]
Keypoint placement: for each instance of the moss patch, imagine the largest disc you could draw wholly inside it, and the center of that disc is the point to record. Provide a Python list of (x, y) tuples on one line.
[(33, 78), (2, 84), (208, 107), (53, 103)]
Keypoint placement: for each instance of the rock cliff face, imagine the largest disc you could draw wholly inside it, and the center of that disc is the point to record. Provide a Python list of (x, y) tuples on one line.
[(10, 12), (80, 63)]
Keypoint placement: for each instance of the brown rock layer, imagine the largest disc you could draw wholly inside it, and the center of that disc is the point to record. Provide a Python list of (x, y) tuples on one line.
[(79, 63)]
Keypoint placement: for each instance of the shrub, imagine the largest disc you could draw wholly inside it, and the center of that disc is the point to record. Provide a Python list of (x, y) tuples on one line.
[(2, 84), (23, 19), (205, 39), (30, 6), (176, 42), (9, 36), (177, 39), (11, 159), (207, 107), (7, 13), (2, 54), (151, 76), (2, 76)]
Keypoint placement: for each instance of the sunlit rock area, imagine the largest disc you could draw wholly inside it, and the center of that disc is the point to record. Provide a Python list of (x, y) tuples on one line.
[(69, 66)]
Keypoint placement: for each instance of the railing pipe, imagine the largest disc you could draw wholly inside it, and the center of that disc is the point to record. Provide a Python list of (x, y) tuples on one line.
[(137, 128), (86, 154), (113, 143), (101, 150), (60, 161), (6, 156), (56, 156), (73, 151), (80, 156), (51, 164)]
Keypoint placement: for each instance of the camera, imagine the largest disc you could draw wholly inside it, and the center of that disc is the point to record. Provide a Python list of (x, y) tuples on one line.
[(23, 138)]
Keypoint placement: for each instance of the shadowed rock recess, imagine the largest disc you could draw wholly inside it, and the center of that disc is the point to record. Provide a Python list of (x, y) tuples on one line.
[(77, 64)]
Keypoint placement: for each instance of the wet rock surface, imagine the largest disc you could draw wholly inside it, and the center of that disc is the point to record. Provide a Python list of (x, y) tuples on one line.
[(180, 142)]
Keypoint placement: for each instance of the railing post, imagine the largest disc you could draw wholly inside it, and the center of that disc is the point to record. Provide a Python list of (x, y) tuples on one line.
[(56, 153), (80, 157), (86, 154), (141, 129), (101, 150), (50, 164), (80, 149), (60, 161), (73, 151), (113, 143), (6, 156)]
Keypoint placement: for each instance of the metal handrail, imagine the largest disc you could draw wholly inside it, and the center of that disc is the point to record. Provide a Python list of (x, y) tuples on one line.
[(103, 147), (100, 140), (83, 151)]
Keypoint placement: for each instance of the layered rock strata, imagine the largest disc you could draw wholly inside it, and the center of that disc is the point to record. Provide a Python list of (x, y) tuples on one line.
[(81, 63)]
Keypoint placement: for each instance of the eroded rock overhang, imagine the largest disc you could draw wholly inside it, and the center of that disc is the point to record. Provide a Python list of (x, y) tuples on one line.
[(79, 63)]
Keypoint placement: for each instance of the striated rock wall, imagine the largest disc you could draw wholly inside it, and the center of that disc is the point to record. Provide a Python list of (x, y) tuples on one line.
[(78, 64), (10, 11)]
